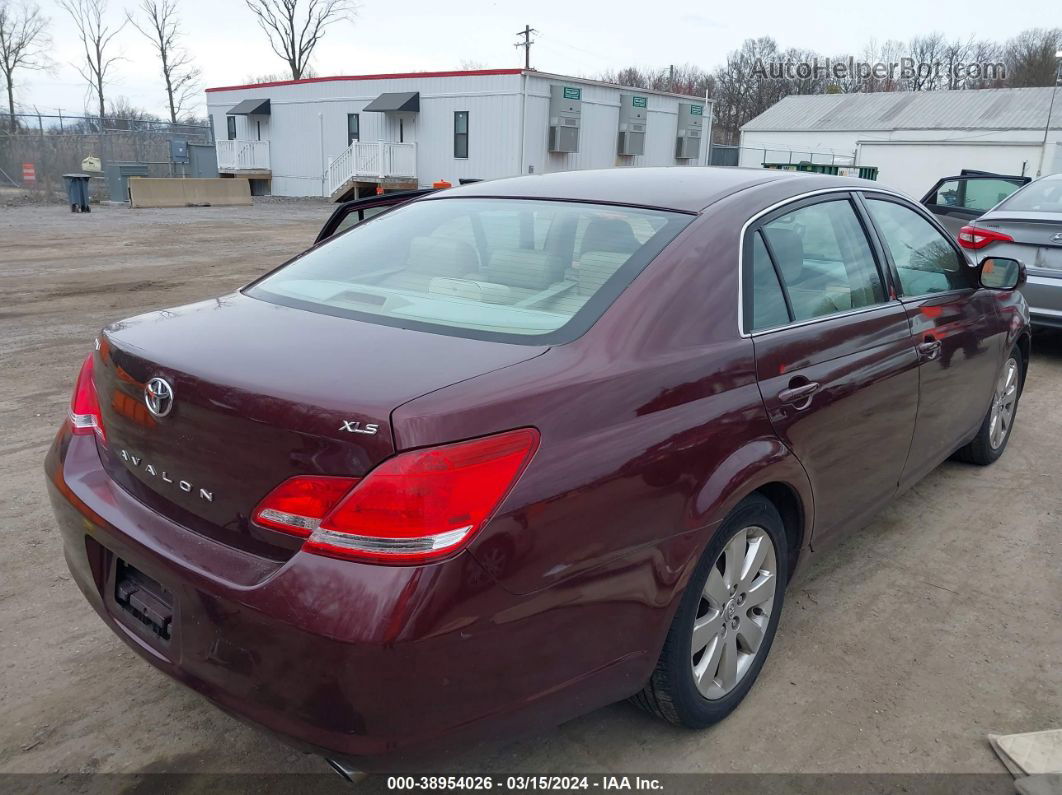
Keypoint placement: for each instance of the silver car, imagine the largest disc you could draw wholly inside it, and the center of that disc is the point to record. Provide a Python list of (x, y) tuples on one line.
[(1027, 226)]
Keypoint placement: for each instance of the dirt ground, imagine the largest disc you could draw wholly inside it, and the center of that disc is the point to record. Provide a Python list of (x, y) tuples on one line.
[(898, 650)]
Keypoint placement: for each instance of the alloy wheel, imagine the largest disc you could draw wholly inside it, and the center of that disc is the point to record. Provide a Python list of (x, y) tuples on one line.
[(734, 611), (1003, 403)]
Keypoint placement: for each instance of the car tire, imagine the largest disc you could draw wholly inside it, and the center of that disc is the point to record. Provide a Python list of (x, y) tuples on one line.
[(991, 440), (676, 692)]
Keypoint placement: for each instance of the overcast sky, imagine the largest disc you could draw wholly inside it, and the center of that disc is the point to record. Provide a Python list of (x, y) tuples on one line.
[(577, 38)]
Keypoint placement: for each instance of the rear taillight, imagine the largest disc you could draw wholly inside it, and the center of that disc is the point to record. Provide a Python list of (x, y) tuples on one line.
[(417, 506), (298, 505), (85, 415), (976, 237)]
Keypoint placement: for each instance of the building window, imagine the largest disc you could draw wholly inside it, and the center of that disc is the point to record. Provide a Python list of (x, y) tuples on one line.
[(230, 121), (461, 133), (353, 128)]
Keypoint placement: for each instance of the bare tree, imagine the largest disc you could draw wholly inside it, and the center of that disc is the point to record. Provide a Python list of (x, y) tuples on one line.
[(277, 77), (926, 53), (1030, 57), (159, 24), (294, 27), (24, 43), (97, 39)]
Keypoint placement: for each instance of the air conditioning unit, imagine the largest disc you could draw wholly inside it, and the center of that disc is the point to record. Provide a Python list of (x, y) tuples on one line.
[(632, 124), (565, 115), (690, 125)]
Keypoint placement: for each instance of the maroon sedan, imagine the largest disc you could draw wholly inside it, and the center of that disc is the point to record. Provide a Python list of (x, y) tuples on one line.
[(513, 451)]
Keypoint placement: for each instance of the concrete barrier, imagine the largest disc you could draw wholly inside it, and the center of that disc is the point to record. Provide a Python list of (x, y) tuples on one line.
[(152, 192)]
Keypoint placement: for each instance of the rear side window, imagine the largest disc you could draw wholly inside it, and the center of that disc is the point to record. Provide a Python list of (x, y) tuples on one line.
[(1042, 196), (768, 301), (824, 259), (925, 261), (505, 269), (982, 193)]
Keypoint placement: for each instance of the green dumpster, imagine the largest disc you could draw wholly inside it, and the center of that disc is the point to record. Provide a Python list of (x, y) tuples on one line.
[(863, 172)]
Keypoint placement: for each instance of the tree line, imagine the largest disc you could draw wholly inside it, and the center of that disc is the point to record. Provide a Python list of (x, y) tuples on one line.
[(759, 73), (292, 27)]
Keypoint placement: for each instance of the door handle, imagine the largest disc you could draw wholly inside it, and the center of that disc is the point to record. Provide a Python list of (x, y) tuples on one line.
[(928, 349), (800, 394)]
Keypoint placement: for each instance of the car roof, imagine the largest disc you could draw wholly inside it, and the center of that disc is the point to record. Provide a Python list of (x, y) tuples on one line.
[(684, 188)]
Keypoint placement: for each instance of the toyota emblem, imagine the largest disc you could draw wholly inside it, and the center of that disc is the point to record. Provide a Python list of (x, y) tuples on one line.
[(158, 396)]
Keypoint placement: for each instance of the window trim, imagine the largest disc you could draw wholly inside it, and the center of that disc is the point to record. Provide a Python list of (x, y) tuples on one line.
[(357, 123), (852, 190), (230, 128), (465, 134), (756, 224), (921, 210)]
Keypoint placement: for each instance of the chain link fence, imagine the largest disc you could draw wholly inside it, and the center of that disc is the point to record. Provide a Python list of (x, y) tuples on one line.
[(48, 146), (722, 155)]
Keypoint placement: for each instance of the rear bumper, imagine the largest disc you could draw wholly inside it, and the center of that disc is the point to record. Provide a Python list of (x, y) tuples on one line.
[(375, 665)]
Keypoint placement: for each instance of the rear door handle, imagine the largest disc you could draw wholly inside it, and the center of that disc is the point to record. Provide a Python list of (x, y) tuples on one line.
[(800, 394), (928, 349)]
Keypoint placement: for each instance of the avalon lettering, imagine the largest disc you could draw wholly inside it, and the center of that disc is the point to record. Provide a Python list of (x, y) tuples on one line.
[(161, 474)]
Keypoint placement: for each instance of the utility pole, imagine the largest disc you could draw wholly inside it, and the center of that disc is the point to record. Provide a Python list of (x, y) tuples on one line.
[(526, 44), (1050, 110)]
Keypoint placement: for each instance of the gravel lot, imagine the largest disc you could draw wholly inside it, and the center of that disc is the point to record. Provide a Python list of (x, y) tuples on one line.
[(898, 650)]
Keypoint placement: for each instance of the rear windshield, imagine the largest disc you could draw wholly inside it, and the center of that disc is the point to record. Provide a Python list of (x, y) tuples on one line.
[(1044, 196), (512, 270)]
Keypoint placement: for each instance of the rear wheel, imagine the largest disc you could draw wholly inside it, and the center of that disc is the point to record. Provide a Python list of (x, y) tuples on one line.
[(992, 438), (726, 622)]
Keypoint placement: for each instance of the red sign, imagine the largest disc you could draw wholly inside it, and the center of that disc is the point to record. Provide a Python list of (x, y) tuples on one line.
[(29, 174)]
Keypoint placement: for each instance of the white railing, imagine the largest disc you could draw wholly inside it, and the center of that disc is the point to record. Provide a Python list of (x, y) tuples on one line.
[(243, 155), (375, 159)]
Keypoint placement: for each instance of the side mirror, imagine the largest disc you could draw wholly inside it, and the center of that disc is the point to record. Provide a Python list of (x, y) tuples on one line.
[(1001, 273)]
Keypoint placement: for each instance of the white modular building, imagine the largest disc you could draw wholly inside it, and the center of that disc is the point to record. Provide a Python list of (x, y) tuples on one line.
[(914, 138), (340, 137)]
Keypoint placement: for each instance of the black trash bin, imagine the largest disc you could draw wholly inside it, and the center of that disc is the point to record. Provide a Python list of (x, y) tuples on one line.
[(77, 192)]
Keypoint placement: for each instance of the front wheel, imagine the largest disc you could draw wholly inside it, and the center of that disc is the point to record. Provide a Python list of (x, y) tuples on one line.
[(992, 437), (725, 624)]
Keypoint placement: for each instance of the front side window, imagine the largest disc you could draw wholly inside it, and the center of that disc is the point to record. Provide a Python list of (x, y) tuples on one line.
[(355, 217), (503, 269), (981, 193), (353, 128), (824, 259), (230, 124), (460, 133), (925, 260)]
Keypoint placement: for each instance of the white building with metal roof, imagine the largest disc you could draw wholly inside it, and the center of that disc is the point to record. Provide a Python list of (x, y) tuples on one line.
[(914, 138), (341, 136)]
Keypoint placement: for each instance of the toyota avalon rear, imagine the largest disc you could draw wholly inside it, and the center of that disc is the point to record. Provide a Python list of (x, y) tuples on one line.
[(243, 505)]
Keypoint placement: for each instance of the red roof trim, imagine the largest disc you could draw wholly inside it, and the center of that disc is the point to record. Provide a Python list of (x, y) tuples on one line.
[(470, 73)]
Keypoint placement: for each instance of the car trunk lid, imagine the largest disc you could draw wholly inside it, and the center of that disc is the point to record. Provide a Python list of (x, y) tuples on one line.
[(1037, 237), (262, 393)]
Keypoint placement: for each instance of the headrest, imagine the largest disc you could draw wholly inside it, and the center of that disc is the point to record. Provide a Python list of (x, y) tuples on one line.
[(609, 234), (522, 267), (440, 256)]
